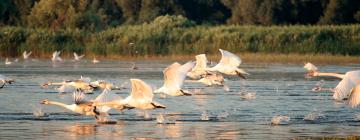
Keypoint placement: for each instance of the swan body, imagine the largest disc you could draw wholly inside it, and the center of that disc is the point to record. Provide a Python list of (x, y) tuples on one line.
[(5, 80), (229, 64), (77, 57), (210, 79), (26, 55), (141, 97), (104, 85), (56, 56), (174, 77), (80, 105), (76, 84)]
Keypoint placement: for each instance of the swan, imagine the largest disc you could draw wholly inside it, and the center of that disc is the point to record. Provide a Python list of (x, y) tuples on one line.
[(26, 55), (229, 64), (81, 106), (141, 97), (104, 85), (77, 84), (7, 61), (56, 56), (77, 57), (5, 80), (95, 60), (174, 77), (348, 88), (210, 79), (199, 69)]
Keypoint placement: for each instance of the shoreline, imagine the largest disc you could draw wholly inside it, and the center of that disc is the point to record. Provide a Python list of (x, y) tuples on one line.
[(270, 58)]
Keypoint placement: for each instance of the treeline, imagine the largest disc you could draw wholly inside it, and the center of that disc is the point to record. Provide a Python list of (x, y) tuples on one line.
[(176, 35), (97, 15)]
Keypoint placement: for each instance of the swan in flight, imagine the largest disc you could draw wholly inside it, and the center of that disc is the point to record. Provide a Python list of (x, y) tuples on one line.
[(104, 85), (77, 57), (26, 55), (210, 79), (5, 80), (77, 84), (7, 61), (229, 64), (348, 88), (82, 106), (174, 77), (56, 56), (95, 61), (200, 67), (141, 97)]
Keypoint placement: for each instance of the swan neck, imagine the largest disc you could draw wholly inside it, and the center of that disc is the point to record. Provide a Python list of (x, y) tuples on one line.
[(58, 104), (341, 76)]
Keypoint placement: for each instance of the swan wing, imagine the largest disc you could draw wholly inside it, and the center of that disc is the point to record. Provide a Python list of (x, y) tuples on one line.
[(181, 72), (79, 97), (354, 98), (140, 90), (76, 56), (170, 74), (201, 62), (230, 59), (343, 89)]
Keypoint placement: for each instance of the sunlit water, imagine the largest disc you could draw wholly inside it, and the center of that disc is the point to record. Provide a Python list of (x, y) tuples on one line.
[(212, 113)]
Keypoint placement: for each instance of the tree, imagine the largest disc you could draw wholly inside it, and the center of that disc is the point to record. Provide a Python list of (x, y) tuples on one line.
[(340, 12)]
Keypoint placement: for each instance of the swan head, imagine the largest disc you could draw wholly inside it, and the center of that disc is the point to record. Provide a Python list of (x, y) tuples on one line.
[(45, 102)]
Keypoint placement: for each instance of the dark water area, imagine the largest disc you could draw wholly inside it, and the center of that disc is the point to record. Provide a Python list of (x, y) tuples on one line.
[(281, 89)]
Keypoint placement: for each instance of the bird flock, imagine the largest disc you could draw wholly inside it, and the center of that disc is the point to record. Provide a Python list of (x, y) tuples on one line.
[(142, 94)]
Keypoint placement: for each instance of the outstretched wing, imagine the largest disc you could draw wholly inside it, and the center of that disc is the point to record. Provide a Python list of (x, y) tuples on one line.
[(170, 74), (230, 59), (76, 56), (343, 89), (354, 98), (181, 72), (201, 62), (140, 90), (79, 97)]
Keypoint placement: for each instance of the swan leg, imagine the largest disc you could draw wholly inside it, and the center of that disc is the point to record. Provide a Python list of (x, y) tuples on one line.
[(240, 75), (2, 85), (185, 93)]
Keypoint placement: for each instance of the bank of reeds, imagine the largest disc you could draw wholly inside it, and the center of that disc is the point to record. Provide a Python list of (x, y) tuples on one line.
[(176, 36)]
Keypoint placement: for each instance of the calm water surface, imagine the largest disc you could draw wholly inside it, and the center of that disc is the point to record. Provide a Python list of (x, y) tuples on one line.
[(280, 89)]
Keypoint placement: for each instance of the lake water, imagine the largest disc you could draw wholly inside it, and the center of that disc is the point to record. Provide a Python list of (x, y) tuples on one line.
[(281, 89)]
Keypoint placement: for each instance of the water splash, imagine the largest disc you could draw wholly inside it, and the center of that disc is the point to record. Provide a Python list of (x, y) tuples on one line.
[(226, 88), (314, 116), (204, 116), (38, 111), (280, 120), (161, 118), (222, 115), (196, 91)]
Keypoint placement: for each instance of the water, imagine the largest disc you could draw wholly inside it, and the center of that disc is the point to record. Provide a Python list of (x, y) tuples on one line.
[(281, 89)]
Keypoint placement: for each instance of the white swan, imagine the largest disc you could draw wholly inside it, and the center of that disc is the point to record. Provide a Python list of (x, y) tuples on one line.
[(141, 97), (5, 80), (77, 84), (77, 57), (229, 64), (104, 85), (174, 77), (56, 56), (7, 61), (348, 88), (82, 106), (26, 55), (210, 79), (200, 67)]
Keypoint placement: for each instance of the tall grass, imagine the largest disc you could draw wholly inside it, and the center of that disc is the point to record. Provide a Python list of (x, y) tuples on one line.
[(166, 38)]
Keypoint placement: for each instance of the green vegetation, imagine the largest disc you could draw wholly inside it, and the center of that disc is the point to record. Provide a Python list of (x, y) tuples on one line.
[(176, 35)]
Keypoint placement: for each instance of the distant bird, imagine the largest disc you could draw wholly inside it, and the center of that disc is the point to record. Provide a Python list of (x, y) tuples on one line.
[(56, 56), (141, 97), (77, 57), (95, 61), (229, 64), (174, 77), (104, 85), (81, 106), (26, 55), (7, 61), (347, 89), (280, 120), (5, 80)]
